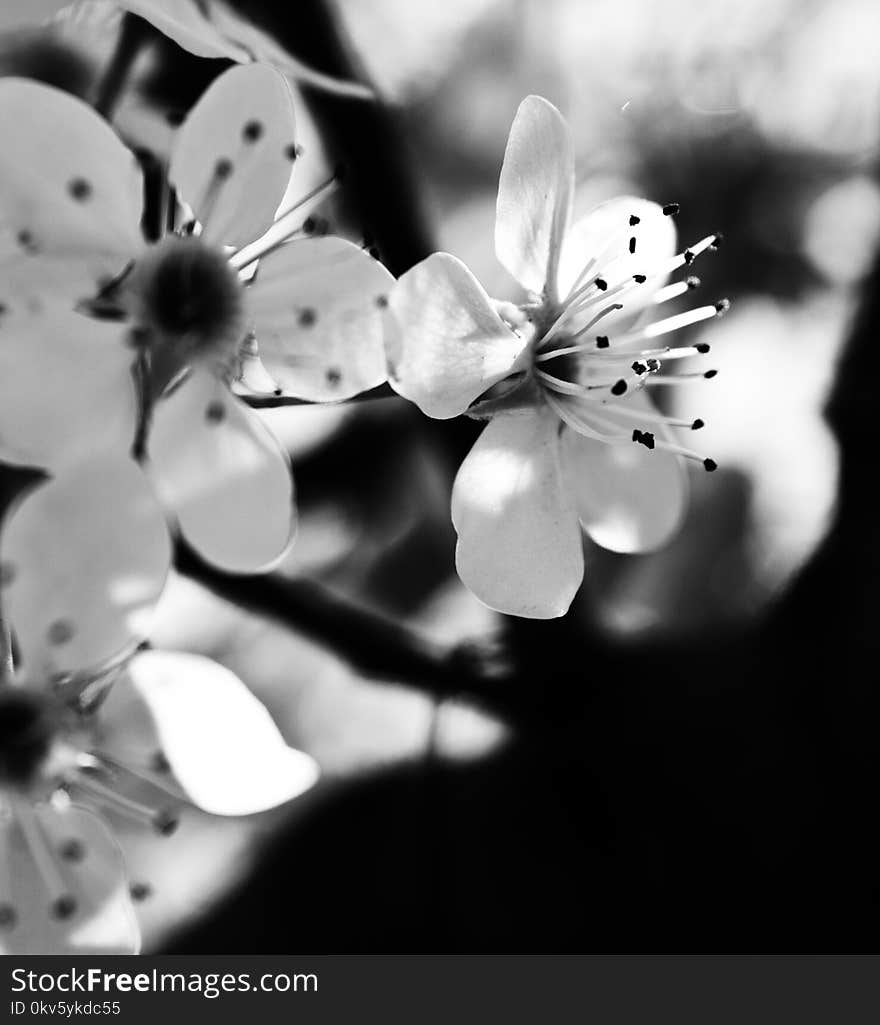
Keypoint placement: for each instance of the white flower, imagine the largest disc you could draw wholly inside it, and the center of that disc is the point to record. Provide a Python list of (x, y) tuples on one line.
[(70, 209), (92, 729), (214, 29), (562, 378)]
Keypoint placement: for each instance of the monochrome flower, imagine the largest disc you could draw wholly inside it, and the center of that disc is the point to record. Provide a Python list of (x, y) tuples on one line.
[(562, 378), (84, 301), (94, 729), (214, 29)]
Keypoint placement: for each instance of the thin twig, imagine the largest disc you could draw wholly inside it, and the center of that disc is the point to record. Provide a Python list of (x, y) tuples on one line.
[(382, 391), (373, 644)]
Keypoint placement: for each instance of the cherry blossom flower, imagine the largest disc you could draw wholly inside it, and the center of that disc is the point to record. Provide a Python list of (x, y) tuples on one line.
[(211, 28), (93, 729), (563, 378), (83, 300)]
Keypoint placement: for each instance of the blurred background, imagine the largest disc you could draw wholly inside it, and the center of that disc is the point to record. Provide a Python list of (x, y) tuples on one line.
[(666, 770)]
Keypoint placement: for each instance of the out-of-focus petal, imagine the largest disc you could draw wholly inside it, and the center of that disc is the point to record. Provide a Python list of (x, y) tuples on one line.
[(184, 23), (223, 474), (227, 34), (629, 498), (534, 195), (220, 742), (519, 544), (605, 234), (234, 152), (263, 47), (68, 186), (446, 344), (89, 865), (318, 309), (66, 385), (85, 557)]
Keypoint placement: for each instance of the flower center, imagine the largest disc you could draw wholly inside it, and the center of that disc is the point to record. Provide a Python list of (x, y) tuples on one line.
[(185, 297), (27, 728)]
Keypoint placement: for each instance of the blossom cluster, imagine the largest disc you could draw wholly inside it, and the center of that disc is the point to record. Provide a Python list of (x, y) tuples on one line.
[(127, 364)]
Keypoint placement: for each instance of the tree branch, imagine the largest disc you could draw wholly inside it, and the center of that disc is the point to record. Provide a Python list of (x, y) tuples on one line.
[(372, 644)]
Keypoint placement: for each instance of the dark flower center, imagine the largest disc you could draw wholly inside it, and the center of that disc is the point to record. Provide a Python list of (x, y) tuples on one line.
[(26, 731), (186, 295)]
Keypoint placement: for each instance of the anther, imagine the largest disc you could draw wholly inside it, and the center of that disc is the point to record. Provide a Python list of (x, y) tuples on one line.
[(140, 891), (632, 244), (671, 209), (601, 284), (653, 365), (165, 823), (645, 438), (710, 374), (382, 301), (602, 341), (697, 424), (639, 368), (710, 465), (63, 907), (619, 387), (223, 168), (292, 151), (252, 131), (633, 220), (79, 189), (722, 306), (639, 279), (72, 850), (718, 241), (692, 283), (688, 256), (215, 412), (8, 917), (702, 347), (60, 631)]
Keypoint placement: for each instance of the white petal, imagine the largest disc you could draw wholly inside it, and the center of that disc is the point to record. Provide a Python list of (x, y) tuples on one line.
[(239, 208), (68, 186), (66, 385), (223, 474), (446, 343), (103, 920), (220, 742), (519, 545), (605, 232), (629, 498), (534, 195), (85, 555), (318, 310)]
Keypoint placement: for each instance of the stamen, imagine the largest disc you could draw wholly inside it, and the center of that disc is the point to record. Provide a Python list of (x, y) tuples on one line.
[(651, 441), (162, 783), (222, 172), (674, 323), (159, 818), (63, 904), (649, 415), (249, 254), (610, 308), (674, 290), (682, 378)]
